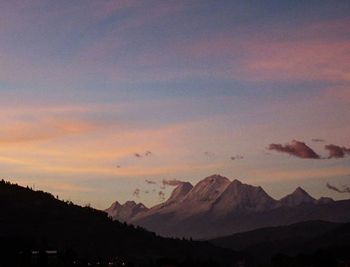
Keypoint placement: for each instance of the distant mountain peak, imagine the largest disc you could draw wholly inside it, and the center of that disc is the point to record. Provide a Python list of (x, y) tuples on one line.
[(325, 200), (243, 196), (299, 196), (215, 178), (126, 211), (130, 203), (209, 188), (299, 189), (115, 205), (236, 182)]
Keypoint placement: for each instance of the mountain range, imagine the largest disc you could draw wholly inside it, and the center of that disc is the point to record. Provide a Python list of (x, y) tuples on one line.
[(216, 206)]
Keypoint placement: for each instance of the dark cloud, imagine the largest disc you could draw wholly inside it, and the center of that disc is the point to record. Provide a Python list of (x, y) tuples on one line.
[(346, 189), (318, 140), (337, 151), (150, 182), (295, 148), (161, 195), (136, 193), (237, 157), (141, 155), (118, 166), (172, 182)]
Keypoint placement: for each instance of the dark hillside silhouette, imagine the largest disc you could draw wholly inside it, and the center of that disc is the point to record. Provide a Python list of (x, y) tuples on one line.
[(36, 222), (300, 244)]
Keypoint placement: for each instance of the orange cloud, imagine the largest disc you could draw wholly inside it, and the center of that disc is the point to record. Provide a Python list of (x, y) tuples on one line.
[(22, 131)]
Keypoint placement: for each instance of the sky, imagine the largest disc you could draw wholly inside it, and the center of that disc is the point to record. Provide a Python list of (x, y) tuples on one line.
[(102, 100)]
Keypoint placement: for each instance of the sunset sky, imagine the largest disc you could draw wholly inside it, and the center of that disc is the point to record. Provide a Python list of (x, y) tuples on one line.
[(98, 96)]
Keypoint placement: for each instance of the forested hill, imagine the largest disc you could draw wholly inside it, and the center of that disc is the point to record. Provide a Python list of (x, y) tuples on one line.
[(34, 220)]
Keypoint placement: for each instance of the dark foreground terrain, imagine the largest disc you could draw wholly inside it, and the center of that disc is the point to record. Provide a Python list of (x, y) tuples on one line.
[(311, 243), (37, 229)]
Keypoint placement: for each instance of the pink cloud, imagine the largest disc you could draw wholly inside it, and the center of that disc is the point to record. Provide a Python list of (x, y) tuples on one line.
[(337, 151), (295, 148), (317, 52)]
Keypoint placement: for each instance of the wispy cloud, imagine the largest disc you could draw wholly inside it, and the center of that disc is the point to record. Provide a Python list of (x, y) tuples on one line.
[(345, 189), (150, 182), (318, 140)]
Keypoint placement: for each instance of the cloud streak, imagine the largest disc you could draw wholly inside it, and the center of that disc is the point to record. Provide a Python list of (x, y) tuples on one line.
[(346, 189), (317, 140), (296, 149)]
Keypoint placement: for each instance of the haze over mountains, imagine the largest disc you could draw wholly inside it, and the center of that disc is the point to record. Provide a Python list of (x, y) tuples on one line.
[(216, 206)]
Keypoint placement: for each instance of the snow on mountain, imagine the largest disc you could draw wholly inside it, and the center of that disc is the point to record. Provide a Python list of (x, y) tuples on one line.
[(299, 196), (201, 198), (169, 206), (208, 189), (126, 211), (216, 206), (239, 196), (179, 193)]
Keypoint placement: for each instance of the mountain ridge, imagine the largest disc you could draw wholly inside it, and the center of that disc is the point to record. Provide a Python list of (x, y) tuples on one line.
[(216, 206)]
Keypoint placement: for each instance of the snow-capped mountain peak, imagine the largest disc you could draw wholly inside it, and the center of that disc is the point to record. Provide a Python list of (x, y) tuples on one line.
[(208, 189), (126, 211), (216, 206)]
